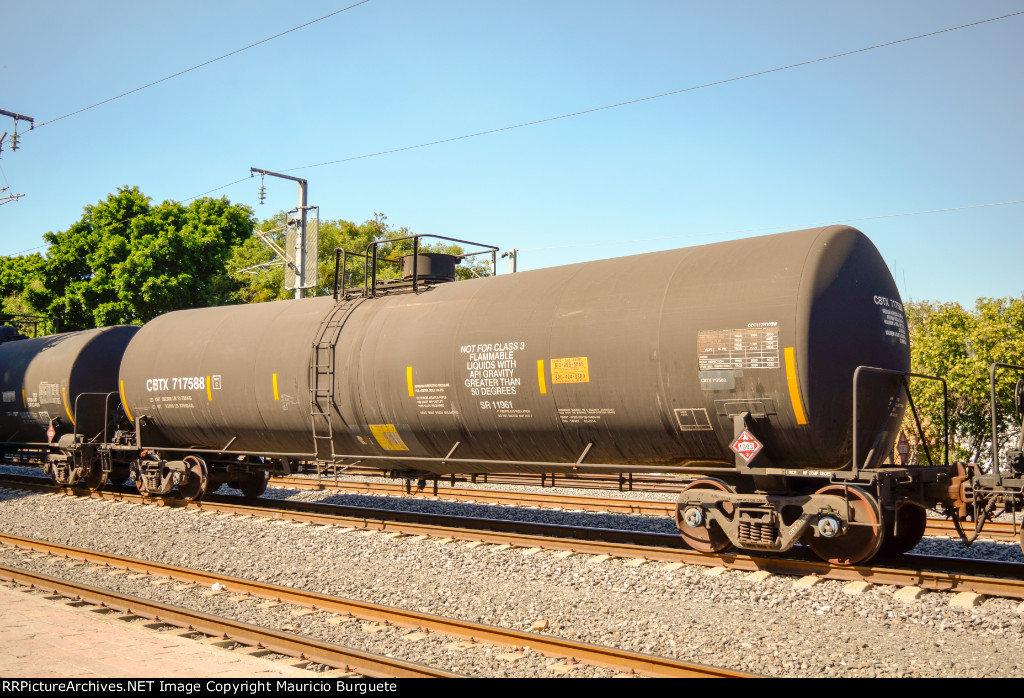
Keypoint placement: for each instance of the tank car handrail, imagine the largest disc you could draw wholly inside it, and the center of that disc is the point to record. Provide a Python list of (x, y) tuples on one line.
[(370, 280), (906, 388), (106, 410), (995, 410), (26, 320), (338, 253)]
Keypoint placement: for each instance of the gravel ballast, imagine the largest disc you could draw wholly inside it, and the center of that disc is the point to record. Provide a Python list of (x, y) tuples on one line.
[(766, 627)]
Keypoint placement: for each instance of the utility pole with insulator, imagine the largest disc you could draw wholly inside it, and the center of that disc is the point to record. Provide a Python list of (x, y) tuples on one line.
[(511, 254), (296, 258), (14, 142)]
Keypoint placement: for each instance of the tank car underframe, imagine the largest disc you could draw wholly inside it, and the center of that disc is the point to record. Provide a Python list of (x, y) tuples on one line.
[(846, 516), (74, 461), (1002, 483), (831, 507), (25, 454), (66, 467), (776, 507), (197, 473)]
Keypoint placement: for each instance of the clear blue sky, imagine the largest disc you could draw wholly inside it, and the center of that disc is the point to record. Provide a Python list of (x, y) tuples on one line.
[(928, 124)]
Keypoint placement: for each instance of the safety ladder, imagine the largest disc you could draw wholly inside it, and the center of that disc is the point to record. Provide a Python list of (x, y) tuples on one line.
[(321, 376)]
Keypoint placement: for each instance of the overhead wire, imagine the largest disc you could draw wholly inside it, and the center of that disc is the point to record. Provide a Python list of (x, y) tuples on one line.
[(629, 101), (201, 65), (536, 121), (571, 114), (10, 196), (658, 96), (31, 249), (223, 186), (4, 175)]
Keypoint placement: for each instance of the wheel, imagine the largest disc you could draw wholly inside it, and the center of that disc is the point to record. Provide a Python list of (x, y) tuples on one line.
[(904, 531), (96, 478), (253, 486), (198, 479), (859, 543), (706, 537)]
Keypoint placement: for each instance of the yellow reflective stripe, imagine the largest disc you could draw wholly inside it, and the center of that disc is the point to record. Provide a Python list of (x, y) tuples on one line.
[(540, 377), (24, 402), (124, 403), (209, 395), (794, 387), (64, 394), (408, 379), (276, 395)]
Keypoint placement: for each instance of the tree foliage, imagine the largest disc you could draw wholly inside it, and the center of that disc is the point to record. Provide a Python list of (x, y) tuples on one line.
[(127, 261), (960, 345), (17, 276)]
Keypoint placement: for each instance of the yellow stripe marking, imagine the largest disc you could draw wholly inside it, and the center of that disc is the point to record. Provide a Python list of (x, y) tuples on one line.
[(408, 379), (124, 403), (276, 395), (794, 387), (209, 395), (540, 377), (24, 402), (64, 394)]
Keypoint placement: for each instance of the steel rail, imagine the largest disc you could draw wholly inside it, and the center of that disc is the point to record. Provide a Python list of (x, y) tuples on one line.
[(917, 570), (585, 503), (994, 530), (243, 633), (591, 654)]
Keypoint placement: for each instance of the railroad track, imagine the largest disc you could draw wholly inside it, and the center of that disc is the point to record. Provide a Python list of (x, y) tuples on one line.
[(331, 655), (940, 574), (994, 530), (457, 494), (354, 661)]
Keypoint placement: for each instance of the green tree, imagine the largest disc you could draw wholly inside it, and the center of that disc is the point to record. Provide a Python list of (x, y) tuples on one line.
[(960, 345), (126, 261), (18, 275)]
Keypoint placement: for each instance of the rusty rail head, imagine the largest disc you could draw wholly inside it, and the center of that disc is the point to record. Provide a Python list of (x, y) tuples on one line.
[(591, 654)]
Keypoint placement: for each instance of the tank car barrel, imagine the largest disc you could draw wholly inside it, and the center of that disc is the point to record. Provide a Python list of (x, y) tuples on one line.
[(768, 365)]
